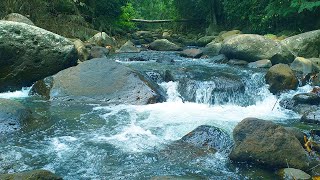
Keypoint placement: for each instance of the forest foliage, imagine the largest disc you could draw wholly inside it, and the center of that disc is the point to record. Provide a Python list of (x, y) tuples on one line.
[(86, 16)]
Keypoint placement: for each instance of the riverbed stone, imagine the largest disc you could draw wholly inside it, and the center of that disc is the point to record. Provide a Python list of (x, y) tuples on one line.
[(252, 47), (83, 52), (267, 144), (12, 115), (164, 45), (191, 53), (101, 80), (292, 173), (212, 49), (103, 39), (305, 45), (128, 47), (98, 52), (307, 98), (264, 63), (29, 53), (16, 17), (31, 175), (311, 116), (302, 65), (210, 137), (281, 78), (237, 62), (203, 41)]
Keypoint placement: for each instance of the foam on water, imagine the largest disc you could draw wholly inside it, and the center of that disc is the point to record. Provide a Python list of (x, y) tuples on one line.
[(23, 93), (154, 124)]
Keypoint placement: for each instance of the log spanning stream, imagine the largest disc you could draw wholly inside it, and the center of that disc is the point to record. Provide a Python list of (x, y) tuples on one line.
[(94, 141)]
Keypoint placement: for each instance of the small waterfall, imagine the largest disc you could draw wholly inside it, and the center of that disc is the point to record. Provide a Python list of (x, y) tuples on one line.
[(244, 91)]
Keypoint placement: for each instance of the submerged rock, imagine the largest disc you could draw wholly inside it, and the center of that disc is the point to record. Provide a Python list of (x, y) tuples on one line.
[(31, 175), (268, 144), (16, 17), (12, 115), (100, 80), (280, 78), (251, 47), (164, 45), (305, 45), (29, 53)]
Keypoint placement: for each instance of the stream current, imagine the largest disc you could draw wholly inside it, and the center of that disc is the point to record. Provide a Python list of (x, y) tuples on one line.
[(95, 141)]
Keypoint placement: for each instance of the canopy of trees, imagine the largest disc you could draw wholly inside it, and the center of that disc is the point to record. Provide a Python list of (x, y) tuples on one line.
[(255, 16)]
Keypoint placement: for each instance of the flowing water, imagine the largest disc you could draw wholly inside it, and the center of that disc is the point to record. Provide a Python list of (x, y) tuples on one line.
[(93, 141)]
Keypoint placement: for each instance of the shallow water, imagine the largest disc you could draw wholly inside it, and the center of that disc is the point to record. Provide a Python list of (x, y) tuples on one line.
[(92, 141)]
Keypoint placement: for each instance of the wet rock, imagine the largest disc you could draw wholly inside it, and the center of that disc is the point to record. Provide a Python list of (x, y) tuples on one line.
[(291, 173), (237, 62), (218, 59), (267, 144), (155, 76), (164, 45), (105, 81), (281, 78), (165, 60), (251, 47), (307, 98), (102, 39), (302, 65), (128, 47), (205, 40), (208, 137), (191, 53), (18, 18), (29, 53), (265, 63), (291, 104), (12, 115), (212, 49), (316, 64), (315, 79), (98, 52), (31, 175), (83, 52), (305, 45), (311, 117)]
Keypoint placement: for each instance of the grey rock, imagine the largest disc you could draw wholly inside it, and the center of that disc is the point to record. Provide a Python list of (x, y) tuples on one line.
[(30, 175), (128, 47), (164, 45), (29, 53), (191, 53), (267, 144), (98, 52), (16, 17), (264, 63)]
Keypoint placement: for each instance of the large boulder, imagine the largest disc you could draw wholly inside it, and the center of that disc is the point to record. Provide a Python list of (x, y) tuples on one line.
[(128, 47), (29, 53), (18, 18), (31, 175), (164, 45), (251, 47), (280, 78), (102, 39), (203, 41), (306, 45), (12, 115), (267, 144), (99, 80)]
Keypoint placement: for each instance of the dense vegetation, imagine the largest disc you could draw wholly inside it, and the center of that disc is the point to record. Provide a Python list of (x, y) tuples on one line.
[(79, 18)]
